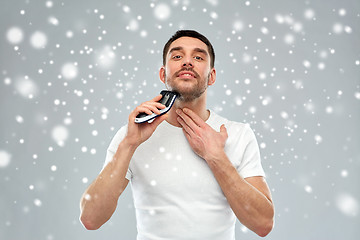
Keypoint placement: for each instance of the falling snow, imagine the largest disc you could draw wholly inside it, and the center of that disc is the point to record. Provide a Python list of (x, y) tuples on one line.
[(72, 73), (69, 71), (60, 134), (162, 11), (38, 40), (15, 35), (5, 158), (26, 87), (347, 204), (106, 57)]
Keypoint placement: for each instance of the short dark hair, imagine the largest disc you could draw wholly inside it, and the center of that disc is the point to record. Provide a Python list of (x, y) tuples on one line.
[(193, 34)]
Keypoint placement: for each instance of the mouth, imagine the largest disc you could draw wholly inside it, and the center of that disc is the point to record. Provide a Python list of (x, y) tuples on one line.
[(186, 74)]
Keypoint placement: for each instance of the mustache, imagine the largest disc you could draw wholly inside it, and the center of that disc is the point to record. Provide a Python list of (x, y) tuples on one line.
[(187, 70)]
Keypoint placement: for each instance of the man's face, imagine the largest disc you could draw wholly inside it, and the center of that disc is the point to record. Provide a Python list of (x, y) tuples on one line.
[(187, 68)]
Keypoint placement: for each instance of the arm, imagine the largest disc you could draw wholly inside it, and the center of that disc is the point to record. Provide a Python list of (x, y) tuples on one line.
[(99, 201), (249, 198)]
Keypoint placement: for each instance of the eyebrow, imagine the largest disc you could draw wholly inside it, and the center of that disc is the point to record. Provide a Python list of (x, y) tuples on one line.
[(200, 50)]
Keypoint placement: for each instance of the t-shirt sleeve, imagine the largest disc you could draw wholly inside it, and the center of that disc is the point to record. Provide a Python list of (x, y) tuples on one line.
[(111, 150), (250, 164)]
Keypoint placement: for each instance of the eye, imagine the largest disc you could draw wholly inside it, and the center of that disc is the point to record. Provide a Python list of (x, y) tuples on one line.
[(176, 57), (198, 58)]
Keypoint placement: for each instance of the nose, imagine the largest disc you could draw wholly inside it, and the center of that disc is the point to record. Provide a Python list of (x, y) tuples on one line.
[(188, 62)]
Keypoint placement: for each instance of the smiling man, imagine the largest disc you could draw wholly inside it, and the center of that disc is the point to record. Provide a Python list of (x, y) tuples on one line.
[(192, 171)]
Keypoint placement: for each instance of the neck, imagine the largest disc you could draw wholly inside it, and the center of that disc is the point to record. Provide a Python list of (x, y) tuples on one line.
[(198, 106)]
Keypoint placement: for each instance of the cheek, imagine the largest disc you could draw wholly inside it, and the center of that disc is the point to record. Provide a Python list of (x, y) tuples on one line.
[(206, 74), (167, 74), (170, 71), (205, 70)]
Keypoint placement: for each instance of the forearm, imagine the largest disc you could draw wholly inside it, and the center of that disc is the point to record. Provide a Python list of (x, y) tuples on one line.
[(252, 207), (99, 201)]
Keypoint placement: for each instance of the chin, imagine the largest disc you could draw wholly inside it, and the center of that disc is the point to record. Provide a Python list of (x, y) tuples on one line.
[(187, 89), (190, 95)]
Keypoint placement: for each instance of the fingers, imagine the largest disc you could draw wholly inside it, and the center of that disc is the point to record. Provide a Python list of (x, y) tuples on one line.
[(149, 107), (192, 124), (143, 109), (187, 135), (186, 121), (157, 98), (153, 108), (153, 105), (194, 117), (185, 126)]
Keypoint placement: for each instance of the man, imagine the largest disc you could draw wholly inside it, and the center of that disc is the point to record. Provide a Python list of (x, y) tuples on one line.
[(191, 170)]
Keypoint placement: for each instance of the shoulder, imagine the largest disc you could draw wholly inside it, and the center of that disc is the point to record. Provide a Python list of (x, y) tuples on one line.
[(119, 135), (122, 131)]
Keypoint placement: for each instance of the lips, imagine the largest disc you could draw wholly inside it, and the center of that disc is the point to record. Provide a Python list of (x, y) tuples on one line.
[(186, 74)]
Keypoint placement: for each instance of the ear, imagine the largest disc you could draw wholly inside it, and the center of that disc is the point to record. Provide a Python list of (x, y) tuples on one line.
[(212, 77), (162, 74)]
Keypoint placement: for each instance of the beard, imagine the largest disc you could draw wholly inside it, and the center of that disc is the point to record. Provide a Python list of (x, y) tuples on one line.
[(187, 93)]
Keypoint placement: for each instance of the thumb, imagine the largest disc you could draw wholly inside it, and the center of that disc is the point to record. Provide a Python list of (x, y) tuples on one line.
[(223, 130)]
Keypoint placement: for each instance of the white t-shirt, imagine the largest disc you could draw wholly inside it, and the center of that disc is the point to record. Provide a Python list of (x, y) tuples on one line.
[(176, 195)]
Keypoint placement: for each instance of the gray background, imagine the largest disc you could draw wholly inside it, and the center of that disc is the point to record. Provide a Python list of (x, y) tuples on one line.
[(69, 80)]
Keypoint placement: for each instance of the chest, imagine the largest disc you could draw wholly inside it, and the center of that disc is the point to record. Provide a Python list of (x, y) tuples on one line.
[(169, 168)]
